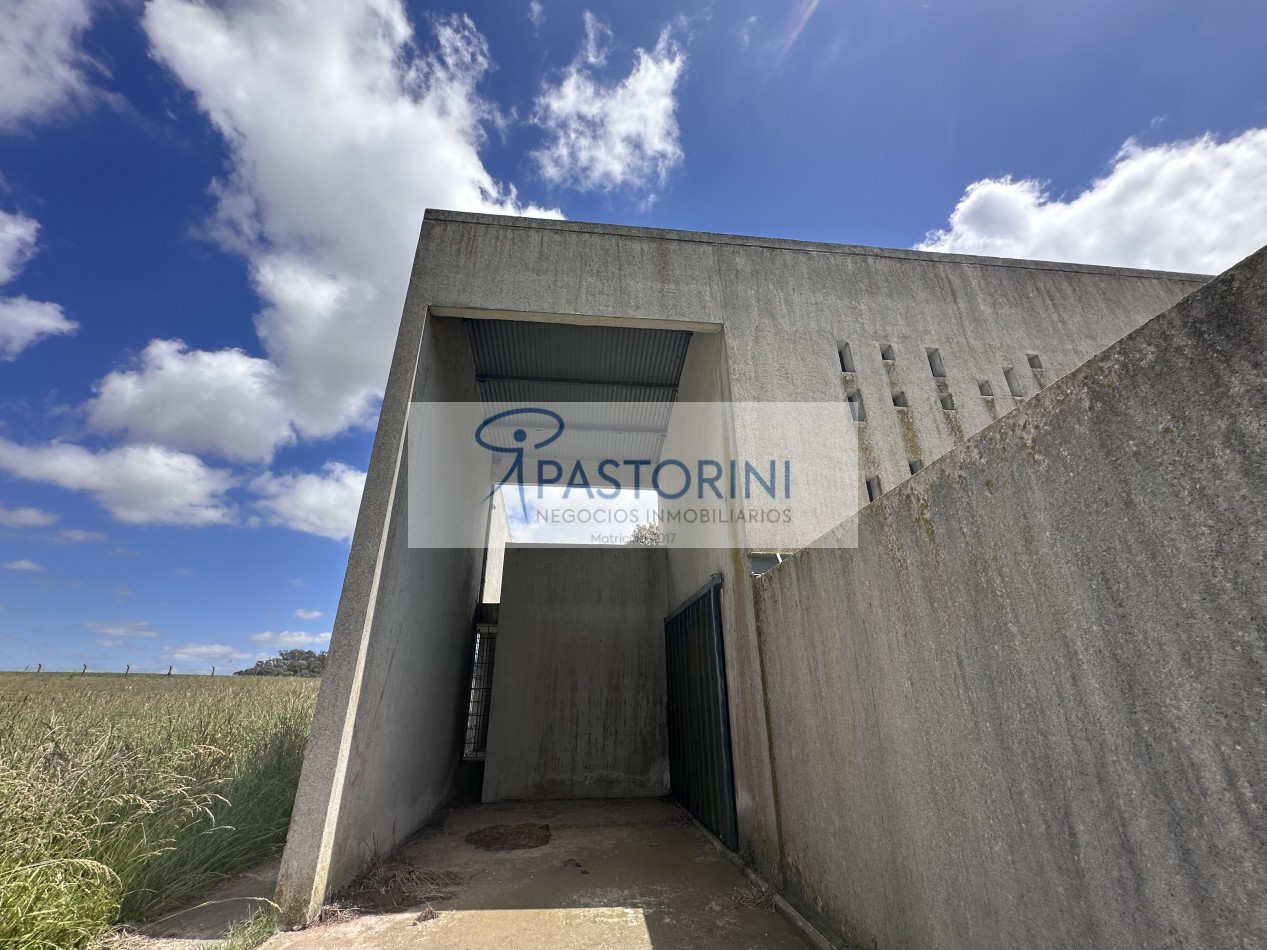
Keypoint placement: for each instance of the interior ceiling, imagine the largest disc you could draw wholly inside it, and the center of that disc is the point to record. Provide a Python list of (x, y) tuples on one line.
[(624, 380)]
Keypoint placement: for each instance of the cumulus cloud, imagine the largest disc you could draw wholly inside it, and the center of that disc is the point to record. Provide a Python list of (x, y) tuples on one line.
[(23, 565), (25, 517), (123, 628), (223, 402), (42, 65), (288, 639), (322, 503), (307, 614), (23, 321), (603, 135), (340, 133), (537, 14), (203, 653), (137, 484), (1197, 206)]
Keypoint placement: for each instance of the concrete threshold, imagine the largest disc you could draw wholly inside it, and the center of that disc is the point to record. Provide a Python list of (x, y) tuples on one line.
[(626, 874)]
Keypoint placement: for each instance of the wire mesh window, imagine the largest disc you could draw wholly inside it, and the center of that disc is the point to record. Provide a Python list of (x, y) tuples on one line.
[(481, 691)]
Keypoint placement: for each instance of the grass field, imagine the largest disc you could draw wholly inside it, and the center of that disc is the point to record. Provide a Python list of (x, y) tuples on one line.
[(122, 798)]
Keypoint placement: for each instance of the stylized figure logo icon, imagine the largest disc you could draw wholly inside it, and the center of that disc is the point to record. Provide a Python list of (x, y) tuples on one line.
[(523, 421)]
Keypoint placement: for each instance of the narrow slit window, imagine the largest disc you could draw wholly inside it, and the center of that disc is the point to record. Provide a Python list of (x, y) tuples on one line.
[(886, 352), (935, 363), (856, 407), (915, 465), (1013, 382), (846, 359), (873, 488), (899, 400), (985, 387), (948, 401), (481, 692), (1034, 361)]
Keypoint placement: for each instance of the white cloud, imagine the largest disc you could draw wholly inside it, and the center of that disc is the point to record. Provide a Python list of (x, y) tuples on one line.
[(203, 652), (123, 628), (41, 62), (603, 136), (1197, 206), (224, 402), (23, 321), (307, 614), (324, 504), (537, 14), (138, 484), (23, 565), (598, 40), (77, 536), (340, 133), (110, 643), (288, 639), (17, 243), (25, 517), (123, 592)]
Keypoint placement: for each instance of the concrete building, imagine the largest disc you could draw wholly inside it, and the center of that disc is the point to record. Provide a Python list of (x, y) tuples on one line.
[(1026, 710)]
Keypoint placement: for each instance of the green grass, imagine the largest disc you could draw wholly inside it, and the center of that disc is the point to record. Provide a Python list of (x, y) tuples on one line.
[(123, 798)]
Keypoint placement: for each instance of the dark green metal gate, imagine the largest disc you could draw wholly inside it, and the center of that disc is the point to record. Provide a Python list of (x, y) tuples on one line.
[(701, 770)]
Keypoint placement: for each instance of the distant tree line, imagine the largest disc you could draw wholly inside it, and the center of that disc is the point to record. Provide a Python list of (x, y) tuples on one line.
[(289, 663)]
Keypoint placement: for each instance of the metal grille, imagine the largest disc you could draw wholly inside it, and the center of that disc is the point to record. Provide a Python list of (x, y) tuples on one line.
[(481, 691), (701, 769)]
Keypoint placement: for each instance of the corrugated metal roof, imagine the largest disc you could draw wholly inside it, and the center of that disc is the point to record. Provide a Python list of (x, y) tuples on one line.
[(620, 382), (517, 349)]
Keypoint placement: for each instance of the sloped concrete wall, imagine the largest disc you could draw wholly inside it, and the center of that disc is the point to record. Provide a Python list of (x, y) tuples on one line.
[(1030, 710), (578, 707), (388, 724)]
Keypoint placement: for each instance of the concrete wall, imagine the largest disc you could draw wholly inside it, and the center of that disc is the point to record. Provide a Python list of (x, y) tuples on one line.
[(578, 706), (1030, 710), (786, 306), (387, 730)]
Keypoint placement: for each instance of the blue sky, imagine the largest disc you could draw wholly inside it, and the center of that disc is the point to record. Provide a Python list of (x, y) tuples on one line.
[(207, 215)]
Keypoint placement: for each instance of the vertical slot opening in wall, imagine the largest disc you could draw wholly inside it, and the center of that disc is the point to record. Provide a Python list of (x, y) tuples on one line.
[(1013, 382), (985, 387), (899, 400), (856, 407), (481, 695), (935, 363), (915, 465), (1034, 361), (846, 358), (947, 401), (886, 352), (873, 488)]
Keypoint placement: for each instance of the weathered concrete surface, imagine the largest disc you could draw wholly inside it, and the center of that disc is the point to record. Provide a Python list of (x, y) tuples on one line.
[(388, 725), (619, 875), (578, 706), (1031, 709), (786, 306), (374, 771)]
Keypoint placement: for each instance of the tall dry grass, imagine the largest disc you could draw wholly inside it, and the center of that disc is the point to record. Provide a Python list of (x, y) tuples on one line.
[(122, 798)]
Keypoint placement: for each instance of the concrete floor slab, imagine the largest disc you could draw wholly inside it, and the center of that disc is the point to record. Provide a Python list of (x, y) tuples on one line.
[(620, 874)]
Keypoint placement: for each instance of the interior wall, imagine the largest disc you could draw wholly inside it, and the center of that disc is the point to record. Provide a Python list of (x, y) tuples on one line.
[(387, 732), (578, 704), (1028, 709)]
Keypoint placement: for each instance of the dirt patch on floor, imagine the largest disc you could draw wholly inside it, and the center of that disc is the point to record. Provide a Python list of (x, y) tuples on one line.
[(390, 885), (510, 837)]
